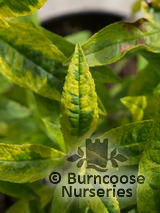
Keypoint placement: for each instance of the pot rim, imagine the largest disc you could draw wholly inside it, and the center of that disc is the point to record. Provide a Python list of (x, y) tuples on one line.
[(83, 13)]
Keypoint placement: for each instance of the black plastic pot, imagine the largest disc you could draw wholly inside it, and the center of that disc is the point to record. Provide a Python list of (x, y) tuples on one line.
[(72, 23)]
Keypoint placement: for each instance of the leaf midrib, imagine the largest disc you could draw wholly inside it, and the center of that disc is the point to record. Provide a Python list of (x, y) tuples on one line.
[(79, 107)]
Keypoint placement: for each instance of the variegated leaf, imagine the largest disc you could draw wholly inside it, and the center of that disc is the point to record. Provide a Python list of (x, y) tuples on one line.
[(27, 163), (11, 9), (29, 59), (79, 101)]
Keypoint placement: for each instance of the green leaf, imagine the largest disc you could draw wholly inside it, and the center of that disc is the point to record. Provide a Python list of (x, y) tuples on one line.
[(44, 192), (79, 101), (18, 190), (80, 37), (104, 74), (22, 131), (31, 19), (30, 62), (142, 63), (130, 139), (152, 58), (103, 97), (136, 6), (145, 82), (136, 106), (148, 193), (63, 45), (114, 41), (27, 163), (25, 206), (10, 9), (5, 85), (17, 94), (21, 206), (35, 207), (98, 206), (12, 110), (33, 197), (49, 112), (28, 191), (101, 109), (152, 109)]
